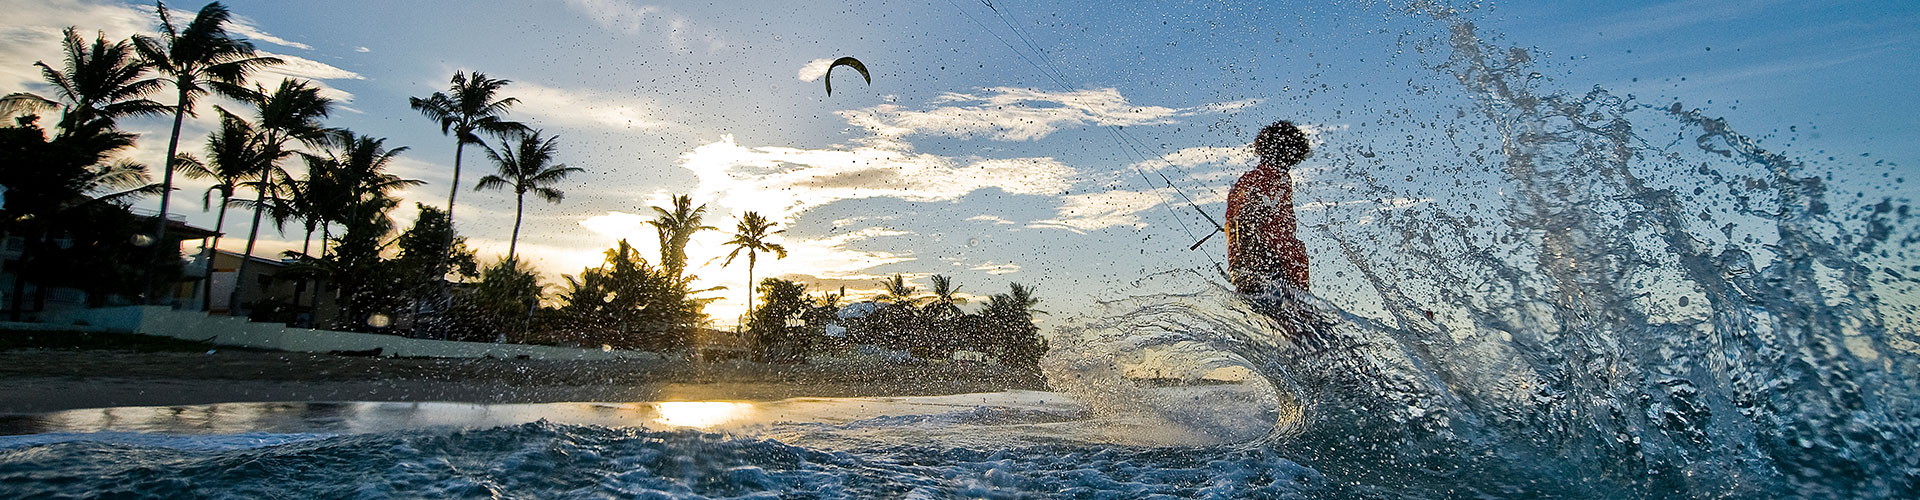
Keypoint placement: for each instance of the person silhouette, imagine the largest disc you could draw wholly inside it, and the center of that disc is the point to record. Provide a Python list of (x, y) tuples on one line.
[(1262, 249)]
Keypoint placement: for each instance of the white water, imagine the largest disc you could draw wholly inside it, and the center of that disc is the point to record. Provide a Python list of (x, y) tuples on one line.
[(1641, 301)]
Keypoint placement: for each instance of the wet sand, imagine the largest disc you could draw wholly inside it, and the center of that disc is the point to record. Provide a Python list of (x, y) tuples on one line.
[(35, 380)]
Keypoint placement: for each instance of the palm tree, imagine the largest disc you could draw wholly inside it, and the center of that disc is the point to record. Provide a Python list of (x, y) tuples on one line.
[(356, 172), (898, 292), (945, 304), (349, 186), (831, 300), (291, 112), (103, 81), (1019, 299), (676, 229), (201, 56), (469, 108), (751, 236), (311, 197), (528, 167), (97, 84), (233, 153)]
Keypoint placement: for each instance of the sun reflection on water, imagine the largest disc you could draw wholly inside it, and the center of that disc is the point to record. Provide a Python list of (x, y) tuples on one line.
[(700, 414)]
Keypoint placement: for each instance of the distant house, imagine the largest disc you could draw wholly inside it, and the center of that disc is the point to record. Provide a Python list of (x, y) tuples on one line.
[(193, 276), (34, 300), (268, 290), (966, 356), (859, 310)]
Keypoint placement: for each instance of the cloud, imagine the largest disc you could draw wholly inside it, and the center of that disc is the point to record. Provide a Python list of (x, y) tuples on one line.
[(784, 183), (1117, 208), (245, 28), (828, 258), (1083, 212), (586, 108), (833, 257), (815, 69), (32, 33), (1090, 211), (1671, 16), (781, 182), (617, 225), (1203, 155), (858, 289), (996, 269), (631, 18), (306, 69), (1014, 114), (989, 218)]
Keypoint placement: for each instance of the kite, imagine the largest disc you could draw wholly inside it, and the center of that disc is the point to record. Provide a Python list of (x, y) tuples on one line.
[(848, 62)]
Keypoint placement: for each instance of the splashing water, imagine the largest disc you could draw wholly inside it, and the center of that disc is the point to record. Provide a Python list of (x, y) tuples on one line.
[(1642, 319)]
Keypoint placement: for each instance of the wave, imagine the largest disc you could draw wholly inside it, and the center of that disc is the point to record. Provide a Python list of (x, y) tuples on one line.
[(545, 460), (1654, 305)]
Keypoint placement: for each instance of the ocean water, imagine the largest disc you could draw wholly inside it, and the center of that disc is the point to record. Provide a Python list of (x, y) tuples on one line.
[(999, 445), (1622, 298)]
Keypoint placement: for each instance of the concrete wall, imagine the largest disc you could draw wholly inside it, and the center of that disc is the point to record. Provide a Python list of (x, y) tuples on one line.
[(195, 326)]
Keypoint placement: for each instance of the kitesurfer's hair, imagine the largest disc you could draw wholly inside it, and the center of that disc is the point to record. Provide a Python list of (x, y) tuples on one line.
[(1281, 143)]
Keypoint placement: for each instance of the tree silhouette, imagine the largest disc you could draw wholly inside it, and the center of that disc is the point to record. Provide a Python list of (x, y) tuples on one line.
[(233, 153), (750, 235), (676, 228), (468, 106), (96, 84), (898, 292), (526, 164), (62, 182), (944, 305), (196, 58), (291, 112), (347, 184)]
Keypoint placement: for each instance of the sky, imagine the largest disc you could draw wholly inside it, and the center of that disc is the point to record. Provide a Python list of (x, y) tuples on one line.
[(1003, 141)]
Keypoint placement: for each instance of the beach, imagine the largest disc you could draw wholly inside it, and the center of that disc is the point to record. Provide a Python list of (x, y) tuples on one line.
[(42, 378)]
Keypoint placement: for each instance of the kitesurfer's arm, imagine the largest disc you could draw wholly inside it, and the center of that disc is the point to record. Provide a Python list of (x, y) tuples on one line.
[(1239, 241)]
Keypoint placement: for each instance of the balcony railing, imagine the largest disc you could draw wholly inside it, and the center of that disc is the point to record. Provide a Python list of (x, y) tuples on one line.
[(151, 213)]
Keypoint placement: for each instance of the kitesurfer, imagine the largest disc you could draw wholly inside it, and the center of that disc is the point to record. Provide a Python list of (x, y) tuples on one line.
[(1262, 249)]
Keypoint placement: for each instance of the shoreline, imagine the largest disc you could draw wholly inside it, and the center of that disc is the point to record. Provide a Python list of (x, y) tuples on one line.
[(42, 380)]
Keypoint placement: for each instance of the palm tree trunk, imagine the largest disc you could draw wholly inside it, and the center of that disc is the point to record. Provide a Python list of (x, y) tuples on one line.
[(313, 304), (750, 262), (446, 257), (306, 245), (240, 278), (166, 191), (213, 250), (519, 206), (458, 149)]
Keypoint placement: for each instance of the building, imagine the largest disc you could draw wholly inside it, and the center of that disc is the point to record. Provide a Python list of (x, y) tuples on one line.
[(31, 299), (270, 294)]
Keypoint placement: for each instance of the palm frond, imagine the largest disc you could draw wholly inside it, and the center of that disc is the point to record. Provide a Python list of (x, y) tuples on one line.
[(23, 104), (491, 182)]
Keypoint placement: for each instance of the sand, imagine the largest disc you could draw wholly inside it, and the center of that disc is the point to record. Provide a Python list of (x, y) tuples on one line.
[(36, 380)]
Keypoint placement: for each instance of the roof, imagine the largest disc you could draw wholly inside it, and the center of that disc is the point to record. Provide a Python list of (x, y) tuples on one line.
[(185, 231), (177, 226), (256, 259)]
